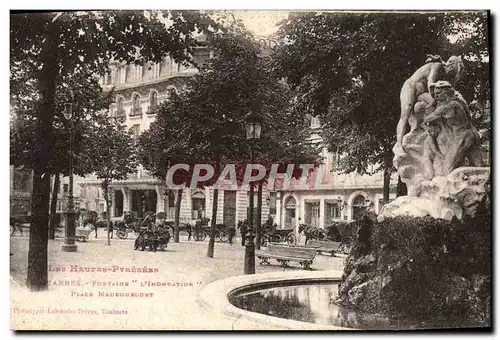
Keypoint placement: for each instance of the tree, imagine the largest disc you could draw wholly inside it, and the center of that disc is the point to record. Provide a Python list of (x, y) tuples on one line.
[(227, 87), (348, 69), (113, 157), (49, 46), (83, 91), (165, 144), (206, 122)]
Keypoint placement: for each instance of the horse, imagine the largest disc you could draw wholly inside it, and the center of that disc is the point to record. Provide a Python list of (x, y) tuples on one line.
[(311, 233)]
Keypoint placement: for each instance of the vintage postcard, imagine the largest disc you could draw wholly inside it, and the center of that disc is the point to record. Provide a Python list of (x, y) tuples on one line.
[(250, 170)]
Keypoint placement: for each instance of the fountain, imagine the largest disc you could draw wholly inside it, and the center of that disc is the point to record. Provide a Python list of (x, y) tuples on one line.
[(423, 262), (426, 255)]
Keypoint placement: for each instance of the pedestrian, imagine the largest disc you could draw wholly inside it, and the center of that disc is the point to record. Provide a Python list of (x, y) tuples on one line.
[(110, 230), (243, 226), (230, 233)]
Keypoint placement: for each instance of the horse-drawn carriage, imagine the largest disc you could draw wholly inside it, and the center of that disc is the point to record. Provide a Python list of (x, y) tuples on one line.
[(153, 238), (269, 233), (274, 235), (128, 225), (201, 230), (82, 233), (315, 233)]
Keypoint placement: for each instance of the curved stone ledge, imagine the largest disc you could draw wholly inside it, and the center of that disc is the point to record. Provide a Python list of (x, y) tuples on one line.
[(214, 297)]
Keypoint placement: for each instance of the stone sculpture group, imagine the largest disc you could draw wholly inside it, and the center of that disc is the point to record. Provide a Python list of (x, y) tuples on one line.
[(439, 159)]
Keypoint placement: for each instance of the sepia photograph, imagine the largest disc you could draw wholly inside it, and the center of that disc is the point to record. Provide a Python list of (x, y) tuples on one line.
[(250, 170)]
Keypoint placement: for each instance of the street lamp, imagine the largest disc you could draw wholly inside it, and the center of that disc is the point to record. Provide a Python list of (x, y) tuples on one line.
[(69, 241), (253, 127)]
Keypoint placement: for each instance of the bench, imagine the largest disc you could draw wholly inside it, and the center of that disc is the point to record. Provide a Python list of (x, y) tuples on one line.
[(284, 254), (324, 246)]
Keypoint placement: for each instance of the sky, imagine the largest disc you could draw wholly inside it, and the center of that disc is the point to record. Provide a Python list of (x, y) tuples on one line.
[(261, 23)]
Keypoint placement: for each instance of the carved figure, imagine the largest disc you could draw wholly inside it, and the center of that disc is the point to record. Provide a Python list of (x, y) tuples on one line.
[(417, 87), (459, 138), (440, 159)]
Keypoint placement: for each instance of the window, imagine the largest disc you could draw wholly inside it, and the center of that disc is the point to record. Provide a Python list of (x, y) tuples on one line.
[(136, 105), (107, 78), (137, 131), (77, 206), (272, 203), (198, 205), (21, 180), (120, 112), (121, 74), (332, 211), (156, 70), (153, 102), (312, 213), (138, 72), (65, 189), (59, 205)]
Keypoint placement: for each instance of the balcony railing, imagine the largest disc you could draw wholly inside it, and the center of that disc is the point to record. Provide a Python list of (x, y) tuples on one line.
[(152, 109), (120, 115), (136, 112)]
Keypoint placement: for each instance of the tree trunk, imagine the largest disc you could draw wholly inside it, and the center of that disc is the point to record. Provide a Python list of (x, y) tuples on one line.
[(178, 202), (108, 218), (258, 220), (387, 185), (211, 242), (53, 208), (401, 189), (387, 175), (213, 222), (37, 278)]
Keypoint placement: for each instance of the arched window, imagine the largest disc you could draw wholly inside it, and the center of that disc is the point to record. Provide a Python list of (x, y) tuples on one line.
[(198, 205), (358, 206), (136, 105), (290, 206), (120, 112), (153, 102)]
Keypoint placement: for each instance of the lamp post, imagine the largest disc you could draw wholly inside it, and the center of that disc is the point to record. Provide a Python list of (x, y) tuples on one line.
[(69, 241), (253, 126)]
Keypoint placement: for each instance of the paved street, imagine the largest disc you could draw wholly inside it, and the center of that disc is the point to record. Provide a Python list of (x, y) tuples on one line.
[(181, 271)]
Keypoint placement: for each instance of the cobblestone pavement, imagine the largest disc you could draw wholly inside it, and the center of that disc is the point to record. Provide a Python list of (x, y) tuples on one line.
[(88, 299)]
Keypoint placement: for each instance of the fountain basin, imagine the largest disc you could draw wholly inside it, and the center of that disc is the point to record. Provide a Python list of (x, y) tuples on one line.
[(215, 298)]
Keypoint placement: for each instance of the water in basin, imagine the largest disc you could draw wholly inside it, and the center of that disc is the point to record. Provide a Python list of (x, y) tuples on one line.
[(310, 303)]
